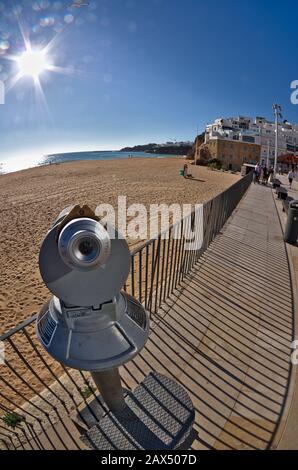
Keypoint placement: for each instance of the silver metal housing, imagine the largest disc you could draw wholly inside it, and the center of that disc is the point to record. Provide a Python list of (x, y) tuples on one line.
[(94, 339)]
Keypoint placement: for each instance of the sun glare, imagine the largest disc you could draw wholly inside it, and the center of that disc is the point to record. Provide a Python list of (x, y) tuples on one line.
[(32, 63)]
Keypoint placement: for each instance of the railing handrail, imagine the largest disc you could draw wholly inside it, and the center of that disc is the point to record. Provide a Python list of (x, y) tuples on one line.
[(18, 327)]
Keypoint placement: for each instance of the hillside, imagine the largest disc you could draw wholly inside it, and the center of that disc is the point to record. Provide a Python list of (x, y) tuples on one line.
[(166, 149)]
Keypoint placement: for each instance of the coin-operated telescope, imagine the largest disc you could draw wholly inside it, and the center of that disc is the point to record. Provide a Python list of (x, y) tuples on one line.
[(90, 324)]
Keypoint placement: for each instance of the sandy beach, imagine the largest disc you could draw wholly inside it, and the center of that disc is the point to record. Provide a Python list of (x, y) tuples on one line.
[(31, 200)]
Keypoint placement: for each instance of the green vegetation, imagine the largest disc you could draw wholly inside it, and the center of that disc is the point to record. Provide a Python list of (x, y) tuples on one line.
[(12, 419), (215, 164), (87, 391)]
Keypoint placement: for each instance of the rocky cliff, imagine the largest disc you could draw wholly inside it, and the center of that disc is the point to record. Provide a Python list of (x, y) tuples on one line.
[(198, 141)]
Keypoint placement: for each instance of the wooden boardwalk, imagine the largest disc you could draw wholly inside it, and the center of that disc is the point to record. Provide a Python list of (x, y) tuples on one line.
[(226, 336)]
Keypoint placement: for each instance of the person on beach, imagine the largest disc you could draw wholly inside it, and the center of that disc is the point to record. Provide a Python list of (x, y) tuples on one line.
[(291, 177), (186, 174)]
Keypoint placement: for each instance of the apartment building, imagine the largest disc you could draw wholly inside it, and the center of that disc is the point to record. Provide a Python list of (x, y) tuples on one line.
[(233, 154), (256, 135)]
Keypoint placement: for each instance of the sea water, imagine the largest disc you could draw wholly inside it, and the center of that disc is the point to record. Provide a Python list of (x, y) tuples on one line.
[(21, 163)]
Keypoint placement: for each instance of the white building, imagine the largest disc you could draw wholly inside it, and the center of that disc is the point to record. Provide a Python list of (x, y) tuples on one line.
[(258, 131)]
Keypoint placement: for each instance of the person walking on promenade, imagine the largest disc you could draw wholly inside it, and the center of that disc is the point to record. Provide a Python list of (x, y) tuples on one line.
[(265, 175), (291, 176), (261, 174), (271, 174), (256, 173)]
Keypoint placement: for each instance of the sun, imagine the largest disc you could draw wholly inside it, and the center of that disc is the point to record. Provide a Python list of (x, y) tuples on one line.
[(32, 63)]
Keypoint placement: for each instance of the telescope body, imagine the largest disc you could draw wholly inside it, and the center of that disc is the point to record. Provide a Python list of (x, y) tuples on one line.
[(89, 324)]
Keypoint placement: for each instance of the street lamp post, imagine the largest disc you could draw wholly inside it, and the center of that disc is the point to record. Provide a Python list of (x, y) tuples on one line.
[(277, 113), (268, 153), (196, 151), (260, 131)]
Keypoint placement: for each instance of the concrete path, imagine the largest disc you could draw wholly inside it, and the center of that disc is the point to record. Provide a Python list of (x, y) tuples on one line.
[(227, 336)]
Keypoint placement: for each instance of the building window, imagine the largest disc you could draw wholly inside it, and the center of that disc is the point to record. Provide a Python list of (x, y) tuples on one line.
[(248, 138)]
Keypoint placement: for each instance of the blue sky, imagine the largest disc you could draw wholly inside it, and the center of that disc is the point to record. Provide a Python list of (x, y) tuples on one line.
[(143, 71)]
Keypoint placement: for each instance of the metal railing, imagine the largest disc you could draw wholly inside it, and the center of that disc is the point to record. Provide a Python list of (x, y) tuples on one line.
[(37, 395)]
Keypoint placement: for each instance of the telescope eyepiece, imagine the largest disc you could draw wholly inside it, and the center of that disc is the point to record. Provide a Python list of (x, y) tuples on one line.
[(84, 244), (87, 247)]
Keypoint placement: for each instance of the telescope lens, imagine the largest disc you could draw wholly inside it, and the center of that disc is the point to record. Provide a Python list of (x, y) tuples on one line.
[(84, 244), (86, 247)]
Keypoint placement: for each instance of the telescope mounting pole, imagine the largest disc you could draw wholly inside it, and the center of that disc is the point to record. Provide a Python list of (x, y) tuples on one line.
[(108, 383)]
